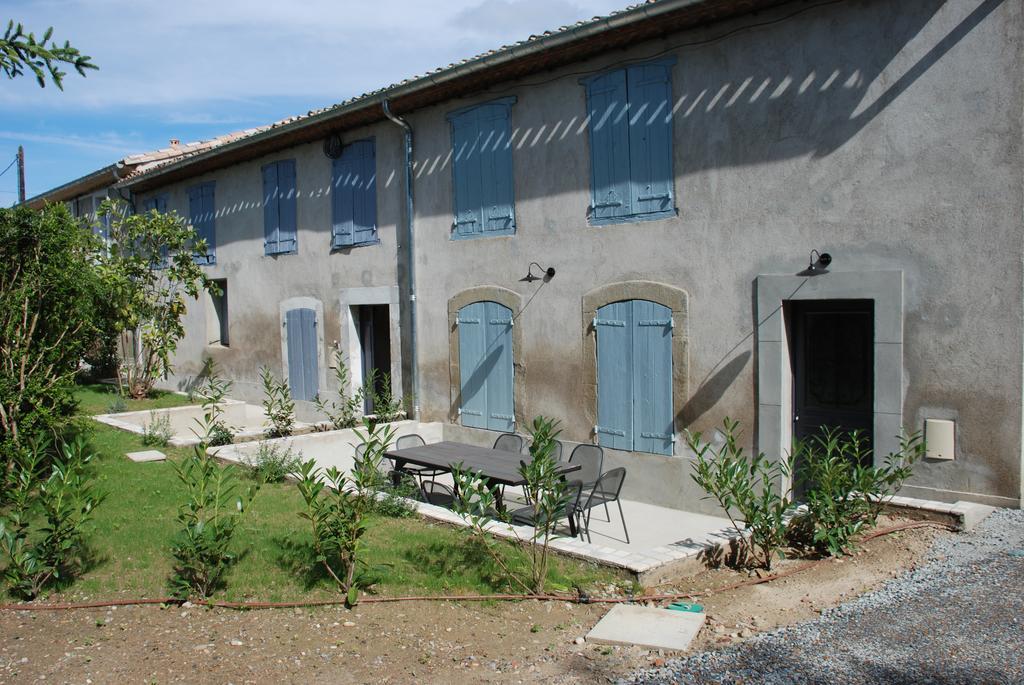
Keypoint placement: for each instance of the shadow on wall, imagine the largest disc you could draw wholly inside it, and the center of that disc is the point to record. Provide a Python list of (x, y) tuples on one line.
[(712, 389), (774, 86)]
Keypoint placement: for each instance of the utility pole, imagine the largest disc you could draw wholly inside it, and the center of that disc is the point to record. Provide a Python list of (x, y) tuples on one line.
[(21, 174)]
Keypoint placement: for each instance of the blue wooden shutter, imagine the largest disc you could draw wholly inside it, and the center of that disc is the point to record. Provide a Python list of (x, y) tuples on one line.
[(466, 174), (364, 195), (201, 214), (303, 362), (287, 239), (271, 212), (650, 138), (499, 367), (343, 177), (472, 346), (496, 178), (609, 146), (614, 327), (652, 377)]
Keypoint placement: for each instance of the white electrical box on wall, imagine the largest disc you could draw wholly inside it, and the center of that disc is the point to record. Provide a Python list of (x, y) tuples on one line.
[(939, 439)]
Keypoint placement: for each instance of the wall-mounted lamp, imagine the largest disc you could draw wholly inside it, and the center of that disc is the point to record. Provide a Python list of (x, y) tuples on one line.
[(817, 264), (547, 274)]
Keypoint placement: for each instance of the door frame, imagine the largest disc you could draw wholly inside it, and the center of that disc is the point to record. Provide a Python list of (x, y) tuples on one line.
[(774, 362), (348, 337)]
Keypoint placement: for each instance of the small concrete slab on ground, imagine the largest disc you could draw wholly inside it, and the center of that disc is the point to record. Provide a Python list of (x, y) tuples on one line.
[(146, 455), (649, 627)]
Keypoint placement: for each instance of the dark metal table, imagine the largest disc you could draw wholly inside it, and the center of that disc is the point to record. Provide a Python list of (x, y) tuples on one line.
[(497, 467)]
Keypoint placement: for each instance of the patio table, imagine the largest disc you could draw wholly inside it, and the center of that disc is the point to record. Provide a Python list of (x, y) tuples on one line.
[(497, 467)]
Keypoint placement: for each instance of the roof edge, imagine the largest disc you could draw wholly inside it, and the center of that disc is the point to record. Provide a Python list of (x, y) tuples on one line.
[(372, 99)]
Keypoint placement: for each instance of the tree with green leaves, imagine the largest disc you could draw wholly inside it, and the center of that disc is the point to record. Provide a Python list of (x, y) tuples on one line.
[(50, 303), (20, 51), (150, 271)]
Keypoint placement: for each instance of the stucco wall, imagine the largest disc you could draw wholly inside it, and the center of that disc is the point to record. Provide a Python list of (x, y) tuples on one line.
[(888, 134), (259, 284)]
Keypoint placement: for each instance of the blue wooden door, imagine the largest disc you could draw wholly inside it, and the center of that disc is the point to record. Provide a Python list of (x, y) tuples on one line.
[(303, 362), (485, 362), (634, 376)]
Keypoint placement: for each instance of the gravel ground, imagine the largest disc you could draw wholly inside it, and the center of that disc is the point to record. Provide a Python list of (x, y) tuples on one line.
[(957, 619)]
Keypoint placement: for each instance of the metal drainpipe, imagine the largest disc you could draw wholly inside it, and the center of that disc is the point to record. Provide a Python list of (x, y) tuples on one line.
[(410, 243)]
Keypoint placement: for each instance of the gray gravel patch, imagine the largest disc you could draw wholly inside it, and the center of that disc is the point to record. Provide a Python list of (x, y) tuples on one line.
[(959, 618)]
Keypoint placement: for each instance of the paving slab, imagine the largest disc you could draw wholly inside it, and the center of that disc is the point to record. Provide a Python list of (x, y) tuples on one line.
[(649, 627), (146, 455)]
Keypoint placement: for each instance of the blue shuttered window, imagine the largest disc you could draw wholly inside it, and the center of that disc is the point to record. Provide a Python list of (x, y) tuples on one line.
[(279, 194), (158, 204), (483, 194), (634, 376), (630, 113), (486, 368), (303, 356), (354, 196), (202, 214)]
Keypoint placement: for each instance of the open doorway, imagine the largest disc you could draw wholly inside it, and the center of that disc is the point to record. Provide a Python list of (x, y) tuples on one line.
[(373, 332), (832, 355)]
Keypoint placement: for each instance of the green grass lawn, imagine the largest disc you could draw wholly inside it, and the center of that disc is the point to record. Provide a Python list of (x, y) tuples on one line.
[(134, 526), (96, 398)]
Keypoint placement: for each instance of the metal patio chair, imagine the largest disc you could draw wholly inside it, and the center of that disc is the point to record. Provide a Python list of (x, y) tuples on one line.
[(386, 467), (591, 459), (510, 442), (418, 472), (437, 494), (606, 491), (527, 516)]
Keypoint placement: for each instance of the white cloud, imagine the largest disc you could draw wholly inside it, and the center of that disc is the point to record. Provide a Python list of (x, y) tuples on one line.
[(194, 51)]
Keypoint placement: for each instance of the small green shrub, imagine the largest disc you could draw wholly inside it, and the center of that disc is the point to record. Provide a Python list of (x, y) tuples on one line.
[(545, 488), (386, 407), (117, 405), (844, 493), (750, 487), (278, 405), (344, 411), (207, 521), (40, 551), (273, 463), (212, 392), (158, 431)]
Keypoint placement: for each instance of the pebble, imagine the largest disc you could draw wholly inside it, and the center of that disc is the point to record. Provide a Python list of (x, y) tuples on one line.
[(349, 624), (969, 577), (579, 640)]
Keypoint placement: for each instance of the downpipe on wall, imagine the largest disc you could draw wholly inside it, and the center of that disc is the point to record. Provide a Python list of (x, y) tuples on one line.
[(410, 244)]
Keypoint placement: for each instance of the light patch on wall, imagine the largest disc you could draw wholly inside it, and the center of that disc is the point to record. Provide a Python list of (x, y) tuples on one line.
[(853, 80), (718, 96), (738, 92), (806, 83), (760, 89), (781, 88), (391, 177), (679, 103), (828, 82), (522, 140), (583, 125), (696, 101), (554, 131), (540, 132)]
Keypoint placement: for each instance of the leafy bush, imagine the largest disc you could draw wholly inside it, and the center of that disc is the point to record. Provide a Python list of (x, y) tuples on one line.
[(158, 431), (42, 552), (338, 511), (843, 492), (750, 487), (117, 405), (278, 405), (51, 297), (149, 271), (202, 549), (212, 392), (545, 488), (386, 408), (343, 412), (273, 463)]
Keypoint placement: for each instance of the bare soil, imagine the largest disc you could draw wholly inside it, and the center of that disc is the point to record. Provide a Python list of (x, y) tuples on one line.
[(421, 642)]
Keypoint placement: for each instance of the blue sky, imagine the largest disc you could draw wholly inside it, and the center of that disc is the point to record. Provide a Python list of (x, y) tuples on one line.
[(194, 69)]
